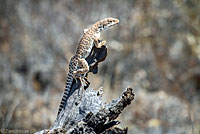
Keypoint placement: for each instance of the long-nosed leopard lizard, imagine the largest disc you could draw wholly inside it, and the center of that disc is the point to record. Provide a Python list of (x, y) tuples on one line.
[(78, 65)]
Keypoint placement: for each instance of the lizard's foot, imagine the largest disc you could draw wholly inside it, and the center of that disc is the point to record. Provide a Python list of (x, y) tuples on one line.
[(87, 83), (82, 79), (100, 43)]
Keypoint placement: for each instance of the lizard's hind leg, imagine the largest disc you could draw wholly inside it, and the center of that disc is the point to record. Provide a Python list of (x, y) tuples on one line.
[(83, 68)]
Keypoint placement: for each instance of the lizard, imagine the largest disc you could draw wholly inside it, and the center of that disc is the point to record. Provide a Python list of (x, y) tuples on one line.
[(78, 65)]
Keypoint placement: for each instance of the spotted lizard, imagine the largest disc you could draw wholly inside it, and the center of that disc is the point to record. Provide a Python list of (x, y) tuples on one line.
[(78, 65)]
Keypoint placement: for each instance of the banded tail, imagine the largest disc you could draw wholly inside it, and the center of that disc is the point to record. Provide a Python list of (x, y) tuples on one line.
[(66, 93)]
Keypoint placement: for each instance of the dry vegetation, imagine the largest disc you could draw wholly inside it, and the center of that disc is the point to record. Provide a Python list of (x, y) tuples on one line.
[(155, 49)]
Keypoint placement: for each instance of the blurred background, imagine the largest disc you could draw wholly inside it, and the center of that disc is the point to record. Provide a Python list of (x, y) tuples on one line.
[(155, 50)]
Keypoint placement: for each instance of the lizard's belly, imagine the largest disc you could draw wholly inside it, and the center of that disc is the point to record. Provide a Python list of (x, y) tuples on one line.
[(88, 51)]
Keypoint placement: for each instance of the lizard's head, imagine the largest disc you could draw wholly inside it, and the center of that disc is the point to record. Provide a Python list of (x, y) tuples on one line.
[(106, 23)]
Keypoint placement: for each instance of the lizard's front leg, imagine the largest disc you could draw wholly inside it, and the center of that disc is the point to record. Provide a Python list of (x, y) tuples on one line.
[(98, 43)]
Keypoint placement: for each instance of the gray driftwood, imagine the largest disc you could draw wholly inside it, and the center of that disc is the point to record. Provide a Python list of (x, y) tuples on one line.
[(85, 112)]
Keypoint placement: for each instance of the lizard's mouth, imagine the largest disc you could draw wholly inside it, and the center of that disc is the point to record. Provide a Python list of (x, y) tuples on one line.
[(117, 21), (113, 24)]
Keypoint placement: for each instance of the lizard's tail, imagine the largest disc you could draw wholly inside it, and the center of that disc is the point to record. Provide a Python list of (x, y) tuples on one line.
[(66, 93)]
